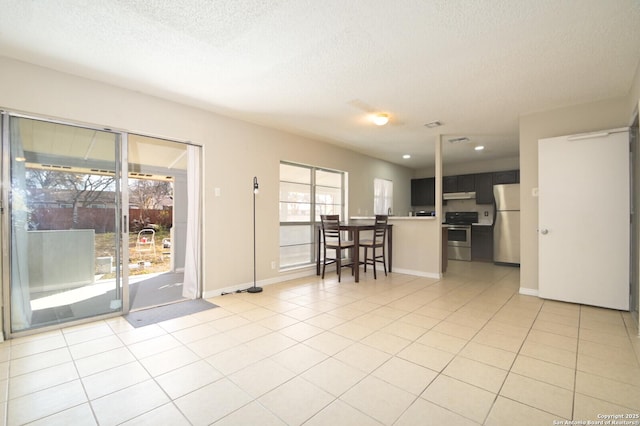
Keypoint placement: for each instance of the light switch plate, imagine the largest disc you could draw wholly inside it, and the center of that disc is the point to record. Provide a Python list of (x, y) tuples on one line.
[(534, 192)]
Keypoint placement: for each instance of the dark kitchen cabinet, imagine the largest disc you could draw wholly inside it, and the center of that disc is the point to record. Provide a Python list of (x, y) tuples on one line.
[(459, 183), (509, 176), (482, 243), (430, 189), (418, 192), (466, 183), (423, 192), (484, 188), (450, 184)]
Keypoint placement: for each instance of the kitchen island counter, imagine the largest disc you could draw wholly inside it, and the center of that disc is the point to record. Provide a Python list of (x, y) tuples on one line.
[(416, 244)]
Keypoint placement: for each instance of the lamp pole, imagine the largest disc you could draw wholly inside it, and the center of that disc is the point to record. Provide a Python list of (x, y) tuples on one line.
[(254, 289)]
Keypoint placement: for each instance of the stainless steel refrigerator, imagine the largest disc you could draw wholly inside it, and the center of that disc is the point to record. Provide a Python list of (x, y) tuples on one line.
[(506, 231)]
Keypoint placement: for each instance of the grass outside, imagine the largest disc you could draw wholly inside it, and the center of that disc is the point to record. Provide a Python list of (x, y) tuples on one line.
[(105, 247)]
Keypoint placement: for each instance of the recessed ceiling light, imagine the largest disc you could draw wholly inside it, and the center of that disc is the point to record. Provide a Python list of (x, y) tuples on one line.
[(433, 124), (406, 156), (380, 119), (479, 148)]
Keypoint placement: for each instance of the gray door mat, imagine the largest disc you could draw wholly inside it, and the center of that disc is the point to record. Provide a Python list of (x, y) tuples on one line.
[(167, 312)]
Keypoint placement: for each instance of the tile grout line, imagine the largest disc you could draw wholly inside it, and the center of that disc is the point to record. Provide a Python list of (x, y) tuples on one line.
[(363, 296), (512, 364), (575, 370)]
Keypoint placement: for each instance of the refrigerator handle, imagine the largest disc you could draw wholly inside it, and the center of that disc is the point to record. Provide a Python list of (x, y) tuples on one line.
[(495, 213)]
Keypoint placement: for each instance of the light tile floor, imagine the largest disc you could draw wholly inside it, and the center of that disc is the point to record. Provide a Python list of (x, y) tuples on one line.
[(402, 350)]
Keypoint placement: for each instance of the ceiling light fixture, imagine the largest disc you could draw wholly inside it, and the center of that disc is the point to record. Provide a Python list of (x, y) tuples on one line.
[(479, 148), (406, 156), (380, 119), (433, 124)]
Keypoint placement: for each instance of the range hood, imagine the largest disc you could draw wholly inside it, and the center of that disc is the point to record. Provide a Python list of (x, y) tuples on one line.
[(459, 195)]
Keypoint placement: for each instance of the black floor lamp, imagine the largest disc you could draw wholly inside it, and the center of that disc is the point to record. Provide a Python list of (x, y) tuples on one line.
[(254, 289)]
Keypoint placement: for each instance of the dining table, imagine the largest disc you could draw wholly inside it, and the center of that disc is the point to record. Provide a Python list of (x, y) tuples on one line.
[(353, 227)]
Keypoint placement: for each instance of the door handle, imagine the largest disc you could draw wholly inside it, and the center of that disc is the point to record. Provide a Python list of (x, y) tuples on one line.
[(544, 231)]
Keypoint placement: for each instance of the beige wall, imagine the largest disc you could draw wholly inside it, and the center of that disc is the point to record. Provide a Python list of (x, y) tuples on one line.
[(594, 116), (233, 153), (476, 166), (499, 164)]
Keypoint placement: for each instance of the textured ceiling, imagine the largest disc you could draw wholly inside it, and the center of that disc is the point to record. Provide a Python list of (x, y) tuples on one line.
[(318, 68)]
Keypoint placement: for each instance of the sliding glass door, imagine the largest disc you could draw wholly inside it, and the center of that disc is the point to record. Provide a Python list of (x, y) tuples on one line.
[(94, 222), (62, 191)]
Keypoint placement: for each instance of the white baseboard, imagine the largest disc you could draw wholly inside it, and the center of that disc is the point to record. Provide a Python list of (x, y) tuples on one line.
[(260, 283), (529, 291), (300, 274)]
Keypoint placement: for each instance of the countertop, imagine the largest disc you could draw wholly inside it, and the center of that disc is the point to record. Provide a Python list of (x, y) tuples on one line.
[(395, 217), (419, 218)]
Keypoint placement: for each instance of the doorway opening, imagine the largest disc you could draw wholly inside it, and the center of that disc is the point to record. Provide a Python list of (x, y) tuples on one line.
[(157, 188), (154, 279)]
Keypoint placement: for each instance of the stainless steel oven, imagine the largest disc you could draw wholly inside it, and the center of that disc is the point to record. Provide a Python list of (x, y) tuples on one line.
[(459, 237), (459, 234)]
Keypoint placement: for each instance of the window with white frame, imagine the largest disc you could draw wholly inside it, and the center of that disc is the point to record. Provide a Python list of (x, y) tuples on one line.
[(382, 196), (306, 192)]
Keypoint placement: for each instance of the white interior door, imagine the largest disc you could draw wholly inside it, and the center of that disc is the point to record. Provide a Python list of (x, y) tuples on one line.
[(584, 219)]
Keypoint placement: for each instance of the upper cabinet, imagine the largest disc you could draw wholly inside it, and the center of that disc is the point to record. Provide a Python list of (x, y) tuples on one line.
[(484, 188), (423, 192), (466, 183), (450, 184), (509, 176), (460, 183)]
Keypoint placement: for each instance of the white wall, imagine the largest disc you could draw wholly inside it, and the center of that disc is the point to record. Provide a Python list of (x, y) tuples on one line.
[(234, 152)]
